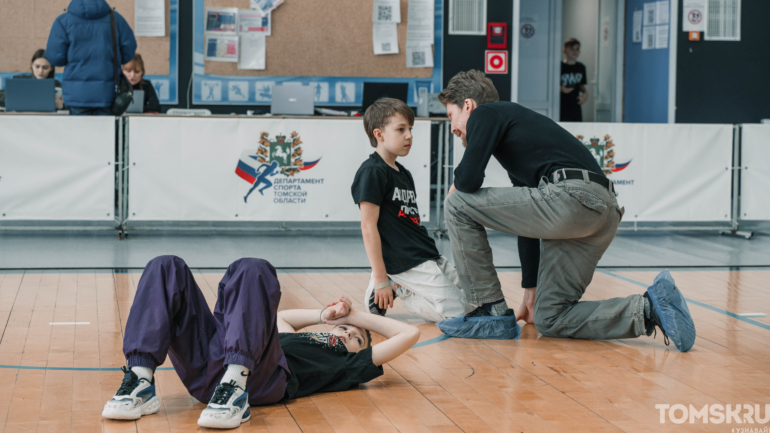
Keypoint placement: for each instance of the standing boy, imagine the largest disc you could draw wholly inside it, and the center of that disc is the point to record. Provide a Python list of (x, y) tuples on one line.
[(399, 248), (573, 83)]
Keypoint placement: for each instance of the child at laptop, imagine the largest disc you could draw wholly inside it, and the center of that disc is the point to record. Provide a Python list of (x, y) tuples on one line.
[(134, 72), (404, 259)]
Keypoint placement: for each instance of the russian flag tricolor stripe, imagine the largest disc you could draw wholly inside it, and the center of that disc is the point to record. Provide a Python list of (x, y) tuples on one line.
[(247, 166), (620, 167), (309, 165)]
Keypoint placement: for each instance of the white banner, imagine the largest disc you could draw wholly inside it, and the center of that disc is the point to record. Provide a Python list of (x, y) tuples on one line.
[(755, 173), (221, 169), (661, 172), (57, 168)]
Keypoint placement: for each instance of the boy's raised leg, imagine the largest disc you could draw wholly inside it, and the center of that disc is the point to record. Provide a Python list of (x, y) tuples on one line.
[(169, 316)]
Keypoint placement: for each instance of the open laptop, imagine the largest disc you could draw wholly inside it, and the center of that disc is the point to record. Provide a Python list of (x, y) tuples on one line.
[(137, 104), (292, 100), (375, 91), (30, 95)]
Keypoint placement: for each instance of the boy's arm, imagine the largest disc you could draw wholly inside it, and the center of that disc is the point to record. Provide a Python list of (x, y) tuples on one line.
[(400, 336), (370, 214), (293, 320), (583, 94)]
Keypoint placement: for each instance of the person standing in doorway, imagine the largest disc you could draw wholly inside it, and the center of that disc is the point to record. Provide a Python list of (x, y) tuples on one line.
[(573, 83)]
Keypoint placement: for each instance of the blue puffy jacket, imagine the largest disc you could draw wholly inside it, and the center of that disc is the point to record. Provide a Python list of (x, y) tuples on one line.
[(81, 40)]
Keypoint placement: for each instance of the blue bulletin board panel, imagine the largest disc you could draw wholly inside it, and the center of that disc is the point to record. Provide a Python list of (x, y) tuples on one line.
[(645, 75), (329, 91), (166, 86)]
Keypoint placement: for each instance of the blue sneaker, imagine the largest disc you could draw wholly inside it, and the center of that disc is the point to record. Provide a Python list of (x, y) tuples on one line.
[(669, 312), (135, 398), (479, 323), (228, 408)]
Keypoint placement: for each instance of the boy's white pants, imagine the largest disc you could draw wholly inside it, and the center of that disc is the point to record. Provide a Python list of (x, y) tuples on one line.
[(431, 290)]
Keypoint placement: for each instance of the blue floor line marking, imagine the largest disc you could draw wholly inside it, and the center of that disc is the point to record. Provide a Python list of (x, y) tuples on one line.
[(694, 302), (26, 367), (431, 341)]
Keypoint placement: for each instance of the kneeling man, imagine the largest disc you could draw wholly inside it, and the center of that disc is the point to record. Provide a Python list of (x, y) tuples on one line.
[(567, 202)]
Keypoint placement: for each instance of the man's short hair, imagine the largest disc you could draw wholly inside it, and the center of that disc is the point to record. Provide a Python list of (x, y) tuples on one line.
[(571, 42), (472, 84), (378, 115)]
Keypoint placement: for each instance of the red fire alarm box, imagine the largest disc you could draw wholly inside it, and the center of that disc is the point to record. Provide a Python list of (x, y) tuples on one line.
[(497, 36)]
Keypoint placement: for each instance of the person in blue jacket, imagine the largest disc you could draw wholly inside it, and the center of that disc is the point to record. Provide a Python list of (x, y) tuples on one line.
[(81, 40)]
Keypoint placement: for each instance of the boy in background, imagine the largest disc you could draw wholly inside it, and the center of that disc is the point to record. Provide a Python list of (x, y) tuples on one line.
[(404, 259), (573, 83)]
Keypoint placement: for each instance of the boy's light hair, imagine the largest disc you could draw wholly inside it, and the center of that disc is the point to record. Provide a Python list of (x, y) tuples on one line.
[(472, 84), (378, 115)]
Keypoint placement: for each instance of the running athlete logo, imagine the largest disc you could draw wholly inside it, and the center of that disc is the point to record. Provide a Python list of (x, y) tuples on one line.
[(407, 197), (603, 151), (272, 157)]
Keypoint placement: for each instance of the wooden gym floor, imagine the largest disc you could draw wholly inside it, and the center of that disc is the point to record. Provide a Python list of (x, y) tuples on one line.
[(56, 378)]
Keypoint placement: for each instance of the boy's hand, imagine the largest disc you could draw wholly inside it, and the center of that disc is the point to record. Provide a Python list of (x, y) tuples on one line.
[(339, 312), (565, 89), (338, 309), (582, 98), (384, 297)]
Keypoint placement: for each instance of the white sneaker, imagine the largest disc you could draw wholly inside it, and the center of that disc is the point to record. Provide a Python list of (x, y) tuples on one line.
[(135, 397), (228, 408)]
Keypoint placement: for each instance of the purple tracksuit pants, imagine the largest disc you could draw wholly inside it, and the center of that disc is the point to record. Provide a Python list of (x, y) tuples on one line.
[(170, 316)]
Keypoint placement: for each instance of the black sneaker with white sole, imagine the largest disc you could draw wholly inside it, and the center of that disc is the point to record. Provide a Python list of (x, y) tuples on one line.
[(228, 408), (135, 397)]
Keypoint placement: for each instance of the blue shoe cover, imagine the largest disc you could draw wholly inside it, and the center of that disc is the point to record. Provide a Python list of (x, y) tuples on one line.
[(487, 327), (675, 317)]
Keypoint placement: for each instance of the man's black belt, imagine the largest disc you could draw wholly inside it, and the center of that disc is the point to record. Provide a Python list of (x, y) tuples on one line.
[(577, 174)]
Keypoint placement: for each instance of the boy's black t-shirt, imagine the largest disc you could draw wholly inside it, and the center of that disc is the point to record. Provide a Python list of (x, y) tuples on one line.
[(572, 76), (527, 144), (405, 243), (320, 362)]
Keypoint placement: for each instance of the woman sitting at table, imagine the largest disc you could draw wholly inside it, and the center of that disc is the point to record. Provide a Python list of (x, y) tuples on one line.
[(41, 69), (134, 72)]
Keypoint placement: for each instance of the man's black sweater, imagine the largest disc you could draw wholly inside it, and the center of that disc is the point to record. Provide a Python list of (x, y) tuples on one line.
[(527, 144)]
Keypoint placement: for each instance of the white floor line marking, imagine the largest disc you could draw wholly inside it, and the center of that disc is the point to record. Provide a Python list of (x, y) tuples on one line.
[(70, 323), (752, 314)]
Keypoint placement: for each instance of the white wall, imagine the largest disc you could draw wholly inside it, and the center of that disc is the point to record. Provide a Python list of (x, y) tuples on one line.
[(580, 20)]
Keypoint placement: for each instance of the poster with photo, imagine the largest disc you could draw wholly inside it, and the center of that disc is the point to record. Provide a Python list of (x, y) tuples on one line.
[(253, 22), (221, 48), (222, 20)]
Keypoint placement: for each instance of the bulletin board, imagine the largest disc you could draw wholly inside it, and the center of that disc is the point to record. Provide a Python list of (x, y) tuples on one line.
[(326, 44), (25, 25)]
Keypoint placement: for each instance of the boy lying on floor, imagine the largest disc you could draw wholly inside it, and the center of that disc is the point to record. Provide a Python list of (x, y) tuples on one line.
[(246, 352)]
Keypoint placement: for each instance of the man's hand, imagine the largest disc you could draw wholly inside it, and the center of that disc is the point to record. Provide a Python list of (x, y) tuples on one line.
[(565, 89), (451, 190), (384, 297), (582, 98)]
